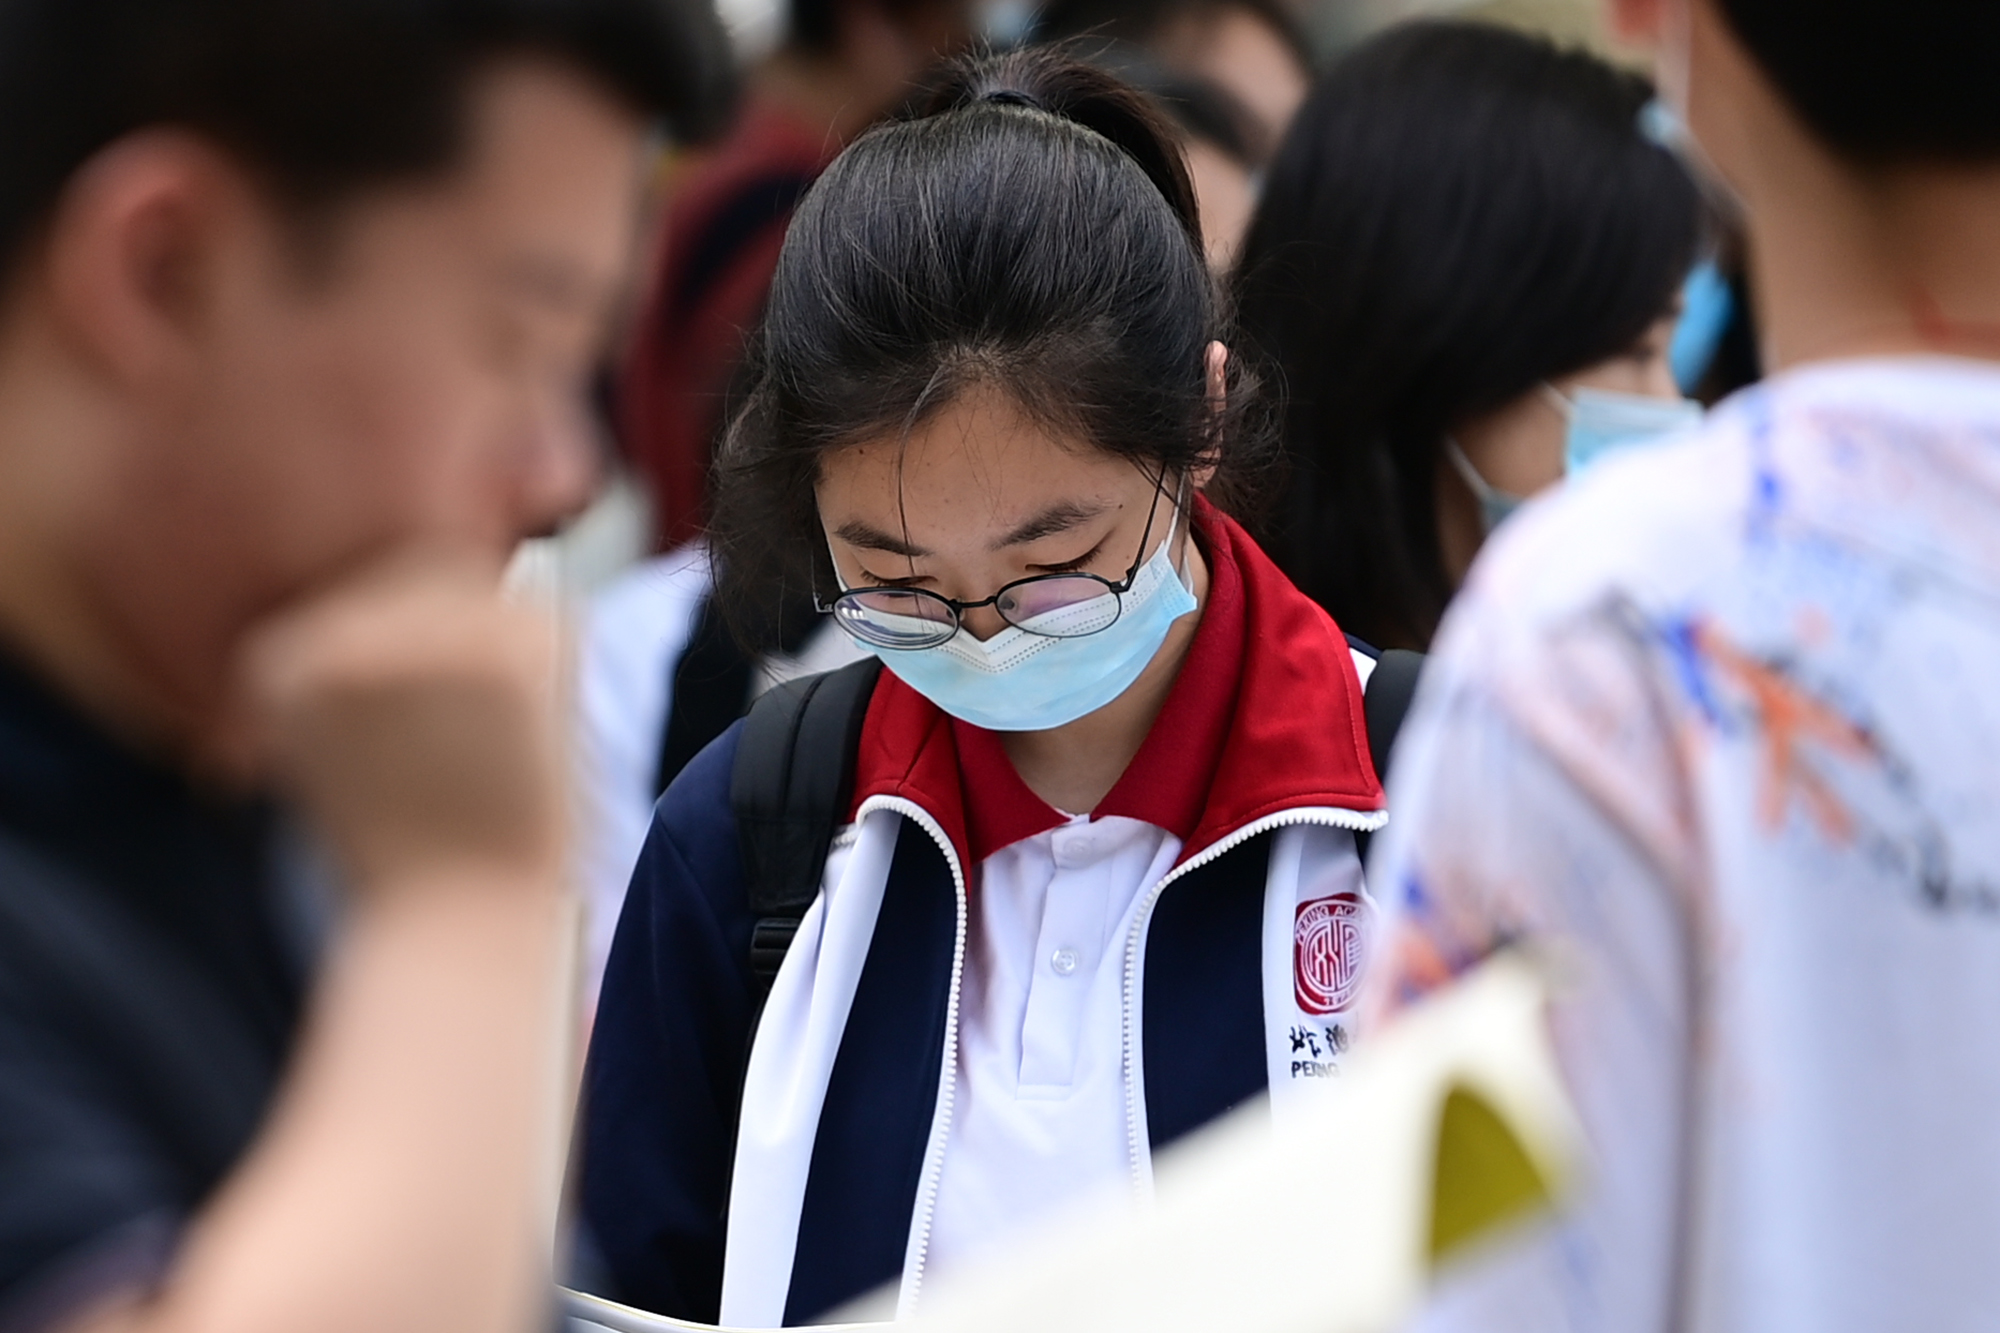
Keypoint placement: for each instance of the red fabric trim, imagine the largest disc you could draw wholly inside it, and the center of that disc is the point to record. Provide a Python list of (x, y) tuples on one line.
[(907, 751), (1168, 783), (1000, 808), (1298, 736), (1265, 715)]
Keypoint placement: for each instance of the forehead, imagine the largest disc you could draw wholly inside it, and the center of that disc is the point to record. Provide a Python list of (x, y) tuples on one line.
[(547, 141), (979, 462)]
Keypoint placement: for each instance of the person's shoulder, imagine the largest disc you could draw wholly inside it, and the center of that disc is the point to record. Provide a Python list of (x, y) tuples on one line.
[(124, 1085), (634, 627), (693, 845), (639, 600), (1653, 525), (767, 145), (1642, 538), (53, 921)]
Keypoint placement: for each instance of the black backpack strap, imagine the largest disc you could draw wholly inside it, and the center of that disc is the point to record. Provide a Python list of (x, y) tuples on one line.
[(710, 687), (1385, 703), (711, 679), (789, 790)]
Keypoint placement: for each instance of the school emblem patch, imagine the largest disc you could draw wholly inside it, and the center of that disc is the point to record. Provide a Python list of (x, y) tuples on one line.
[(1326, 953)]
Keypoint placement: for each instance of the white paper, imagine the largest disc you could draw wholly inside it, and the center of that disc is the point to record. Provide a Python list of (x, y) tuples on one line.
[(1319, 1226)]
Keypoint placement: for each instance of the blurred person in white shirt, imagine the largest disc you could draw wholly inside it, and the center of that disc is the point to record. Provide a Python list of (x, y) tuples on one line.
[(1715, 728)]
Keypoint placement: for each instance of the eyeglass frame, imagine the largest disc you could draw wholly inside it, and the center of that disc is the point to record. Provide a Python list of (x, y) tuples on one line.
[(958, 609)]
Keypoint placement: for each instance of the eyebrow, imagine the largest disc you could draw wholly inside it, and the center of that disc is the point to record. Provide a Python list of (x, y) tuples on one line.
[(859, 534), (1060, 517)]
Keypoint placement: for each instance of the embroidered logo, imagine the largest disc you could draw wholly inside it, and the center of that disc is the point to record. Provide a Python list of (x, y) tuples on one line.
[(1326, 953)]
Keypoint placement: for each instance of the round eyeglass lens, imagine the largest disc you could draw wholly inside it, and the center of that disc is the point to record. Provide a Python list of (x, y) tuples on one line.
[(1065, 606), (896, 617)]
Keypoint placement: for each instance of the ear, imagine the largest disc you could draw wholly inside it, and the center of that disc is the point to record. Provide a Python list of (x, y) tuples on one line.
[(1635, 22), (130, 249)]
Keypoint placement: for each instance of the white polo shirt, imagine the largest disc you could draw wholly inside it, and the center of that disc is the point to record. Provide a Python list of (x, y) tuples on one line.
[(1039, 1111), (1040, 1107)]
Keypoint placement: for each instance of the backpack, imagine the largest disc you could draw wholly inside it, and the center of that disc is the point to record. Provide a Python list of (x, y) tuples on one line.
[(793, 781)]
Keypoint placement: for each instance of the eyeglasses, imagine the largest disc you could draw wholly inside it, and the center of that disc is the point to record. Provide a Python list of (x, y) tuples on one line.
[(1056, 606)]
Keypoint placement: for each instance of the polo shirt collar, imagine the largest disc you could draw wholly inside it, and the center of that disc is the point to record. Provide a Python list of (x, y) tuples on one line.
[(1167, 782)]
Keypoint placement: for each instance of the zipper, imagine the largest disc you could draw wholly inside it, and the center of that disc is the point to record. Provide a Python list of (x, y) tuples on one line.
[(927, 1189), (1135, 1131)]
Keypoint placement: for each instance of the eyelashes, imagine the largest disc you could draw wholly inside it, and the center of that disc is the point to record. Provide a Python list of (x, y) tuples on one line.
[(875, 580), (1072, 566)]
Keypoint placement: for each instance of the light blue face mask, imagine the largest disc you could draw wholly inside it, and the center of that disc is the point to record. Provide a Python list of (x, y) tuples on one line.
[(1602, 422), (1495, 505), (1707, 306), (1021, 681)]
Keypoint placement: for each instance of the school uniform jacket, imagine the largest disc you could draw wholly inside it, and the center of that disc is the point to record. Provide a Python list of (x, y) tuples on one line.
[(1239, 968)]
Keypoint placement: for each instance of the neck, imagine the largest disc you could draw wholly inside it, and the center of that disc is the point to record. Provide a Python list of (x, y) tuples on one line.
[(58, 463), (1883, 264), (1074, 767)]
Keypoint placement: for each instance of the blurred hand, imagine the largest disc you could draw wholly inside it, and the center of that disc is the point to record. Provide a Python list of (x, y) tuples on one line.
[(414, 715)]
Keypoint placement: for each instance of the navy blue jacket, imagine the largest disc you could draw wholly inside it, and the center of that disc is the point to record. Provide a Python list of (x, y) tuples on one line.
[(672, 1040)]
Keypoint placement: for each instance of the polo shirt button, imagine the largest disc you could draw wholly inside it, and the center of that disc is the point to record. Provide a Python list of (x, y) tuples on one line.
[(1063, 961)]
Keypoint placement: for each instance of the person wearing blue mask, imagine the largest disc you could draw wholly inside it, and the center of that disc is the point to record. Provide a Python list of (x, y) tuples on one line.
[(1092, 876), (1467, 270)]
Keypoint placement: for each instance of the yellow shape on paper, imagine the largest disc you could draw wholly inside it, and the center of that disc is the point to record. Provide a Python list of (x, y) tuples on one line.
[(1484, 1177)]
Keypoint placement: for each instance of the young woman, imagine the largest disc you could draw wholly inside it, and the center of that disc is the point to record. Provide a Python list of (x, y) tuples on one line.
[(1465, 270), (1098, 881)]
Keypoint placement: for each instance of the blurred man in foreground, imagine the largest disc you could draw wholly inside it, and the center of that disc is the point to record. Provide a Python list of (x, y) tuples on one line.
[(298, 297), (1718, 726)]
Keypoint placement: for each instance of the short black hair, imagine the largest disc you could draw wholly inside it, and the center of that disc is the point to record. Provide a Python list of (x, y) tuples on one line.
[(1035, 230), (1458, 213), (1882, 84), (318, 97)]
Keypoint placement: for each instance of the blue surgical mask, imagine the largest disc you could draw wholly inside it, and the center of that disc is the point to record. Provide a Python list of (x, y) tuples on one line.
[(1020, 681), (1495, 505), (1707, 305), (1601, 422)]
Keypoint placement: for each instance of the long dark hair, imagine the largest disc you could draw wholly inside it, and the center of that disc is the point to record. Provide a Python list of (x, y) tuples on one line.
[(1033, 228), (1459, 212)]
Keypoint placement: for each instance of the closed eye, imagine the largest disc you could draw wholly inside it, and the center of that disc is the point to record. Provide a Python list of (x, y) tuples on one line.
[(877, 581), (1071, 566)]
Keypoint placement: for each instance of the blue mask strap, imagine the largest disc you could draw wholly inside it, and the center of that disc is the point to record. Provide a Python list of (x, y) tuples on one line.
[(1707, 306)]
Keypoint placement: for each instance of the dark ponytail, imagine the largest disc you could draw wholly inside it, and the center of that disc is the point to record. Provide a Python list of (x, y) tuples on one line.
[(1043, 79), (1032, 228)]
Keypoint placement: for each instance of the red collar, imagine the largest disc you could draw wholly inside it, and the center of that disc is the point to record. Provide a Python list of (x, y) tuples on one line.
[(1264, 716)]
